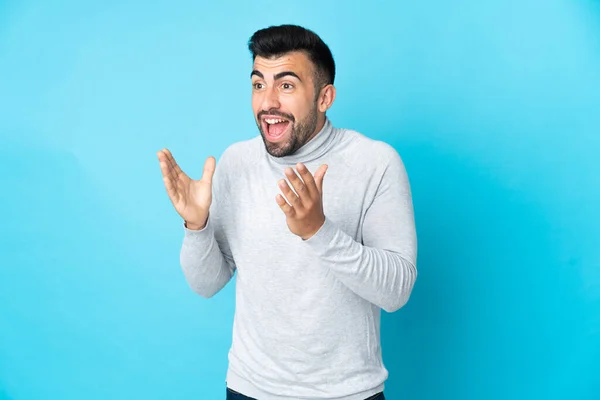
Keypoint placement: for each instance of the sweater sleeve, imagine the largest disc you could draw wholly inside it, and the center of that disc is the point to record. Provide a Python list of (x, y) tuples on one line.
[(205, 256), (381, 269)]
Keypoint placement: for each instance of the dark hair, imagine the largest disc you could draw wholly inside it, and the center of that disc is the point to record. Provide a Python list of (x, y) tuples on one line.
[(276, 41)]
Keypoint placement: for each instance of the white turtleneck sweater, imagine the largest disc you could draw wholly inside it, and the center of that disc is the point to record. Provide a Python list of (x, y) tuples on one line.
[(307, 316)]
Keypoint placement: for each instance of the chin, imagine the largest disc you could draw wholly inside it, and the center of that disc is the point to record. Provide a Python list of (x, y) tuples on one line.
[(278, 149)]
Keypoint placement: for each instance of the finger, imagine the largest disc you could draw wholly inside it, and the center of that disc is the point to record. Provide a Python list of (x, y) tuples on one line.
[(166, 172), (309, 181), (209, 169), (297, 184), (285, 207), (165, 164), (290, 196), (319, 175), (173, 163), (165, 167), (169, 169), (172, 187), (171, 190)]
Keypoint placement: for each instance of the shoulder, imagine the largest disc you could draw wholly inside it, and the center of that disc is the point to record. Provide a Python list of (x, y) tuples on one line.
[(380, 161), (236, 157), (373, 152), (241, 153)]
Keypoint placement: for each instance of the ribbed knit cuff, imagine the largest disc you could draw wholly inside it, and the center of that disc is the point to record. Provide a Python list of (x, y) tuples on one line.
[(201, 234), (323, 239)]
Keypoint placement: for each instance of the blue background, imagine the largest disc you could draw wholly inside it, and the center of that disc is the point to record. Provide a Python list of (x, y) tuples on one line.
[(494, 107)]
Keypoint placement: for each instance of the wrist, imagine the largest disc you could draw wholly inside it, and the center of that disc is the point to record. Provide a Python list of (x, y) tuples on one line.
[(193, 226), (314, 231)]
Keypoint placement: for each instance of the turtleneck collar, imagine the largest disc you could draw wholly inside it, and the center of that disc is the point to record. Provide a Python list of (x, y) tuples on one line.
[(312, 150)]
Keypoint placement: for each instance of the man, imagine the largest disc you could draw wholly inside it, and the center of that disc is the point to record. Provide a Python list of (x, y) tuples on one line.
[(318, 223)]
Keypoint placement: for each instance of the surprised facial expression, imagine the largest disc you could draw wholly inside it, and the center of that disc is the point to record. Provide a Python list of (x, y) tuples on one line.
[(284, 102)]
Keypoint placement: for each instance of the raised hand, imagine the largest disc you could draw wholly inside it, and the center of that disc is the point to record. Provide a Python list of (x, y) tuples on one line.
[(304, 213), (191, 198)]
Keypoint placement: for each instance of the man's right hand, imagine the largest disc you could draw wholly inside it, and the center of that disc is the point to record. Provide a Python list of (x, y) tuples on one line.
[(191, 198)]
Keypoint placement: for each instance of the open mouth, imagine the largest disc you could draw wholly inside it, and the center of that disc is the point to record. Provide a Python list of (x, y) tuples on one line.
[(275, 128)]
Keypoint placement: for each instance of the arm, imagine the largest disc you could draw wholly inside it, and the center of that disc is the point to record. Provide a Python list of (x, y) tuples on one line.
[(382, 269), (205, 257)]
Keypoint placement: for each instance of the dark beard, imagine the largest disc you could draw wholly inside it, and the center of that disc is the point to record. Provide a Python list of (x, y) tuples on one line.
[(301, 133)]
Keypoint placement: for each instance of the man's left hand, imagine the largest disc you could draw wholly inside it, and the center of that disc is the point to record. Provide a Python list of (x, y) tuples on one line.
[(304, 210)]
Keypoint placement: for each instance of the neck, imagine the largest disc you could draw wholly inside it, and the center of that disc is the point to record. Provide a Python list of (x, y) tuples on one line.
[(320, 123)]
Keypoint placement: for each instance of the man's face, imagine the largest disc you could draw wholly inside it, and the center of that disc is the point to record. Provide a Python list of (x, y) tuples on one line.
[(284, 103)]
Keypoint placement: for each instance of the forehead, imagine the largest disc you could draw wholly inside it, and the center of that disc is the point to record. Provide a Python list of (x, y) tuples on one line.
[(297, 62)]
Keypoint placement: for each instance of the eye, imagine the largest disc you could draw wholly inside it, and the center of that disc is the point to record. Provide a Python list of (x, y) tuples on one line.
[(257, 85), (287, 86)]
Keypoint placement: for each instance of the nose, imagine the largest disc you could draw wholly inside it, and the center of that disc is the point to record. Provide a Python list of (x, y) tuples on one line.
[(270, 99)]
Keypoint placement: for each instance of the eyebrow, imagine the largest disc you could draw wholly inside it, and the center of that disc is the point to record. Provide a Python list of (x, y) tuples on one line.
[(277, 76)]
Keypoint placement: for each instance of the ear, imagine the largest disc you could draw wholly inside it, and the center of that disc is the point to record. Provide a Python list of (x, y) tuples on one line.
[(326, 98)]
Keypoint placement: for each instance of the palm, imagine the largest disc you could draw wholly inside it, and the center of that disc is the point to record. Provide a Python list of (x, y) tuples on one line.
[(191, 198)]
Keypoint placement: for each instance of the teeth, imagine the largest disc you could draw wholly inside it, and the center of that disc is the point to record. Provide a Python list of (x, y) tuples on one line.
[(274, 121)]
